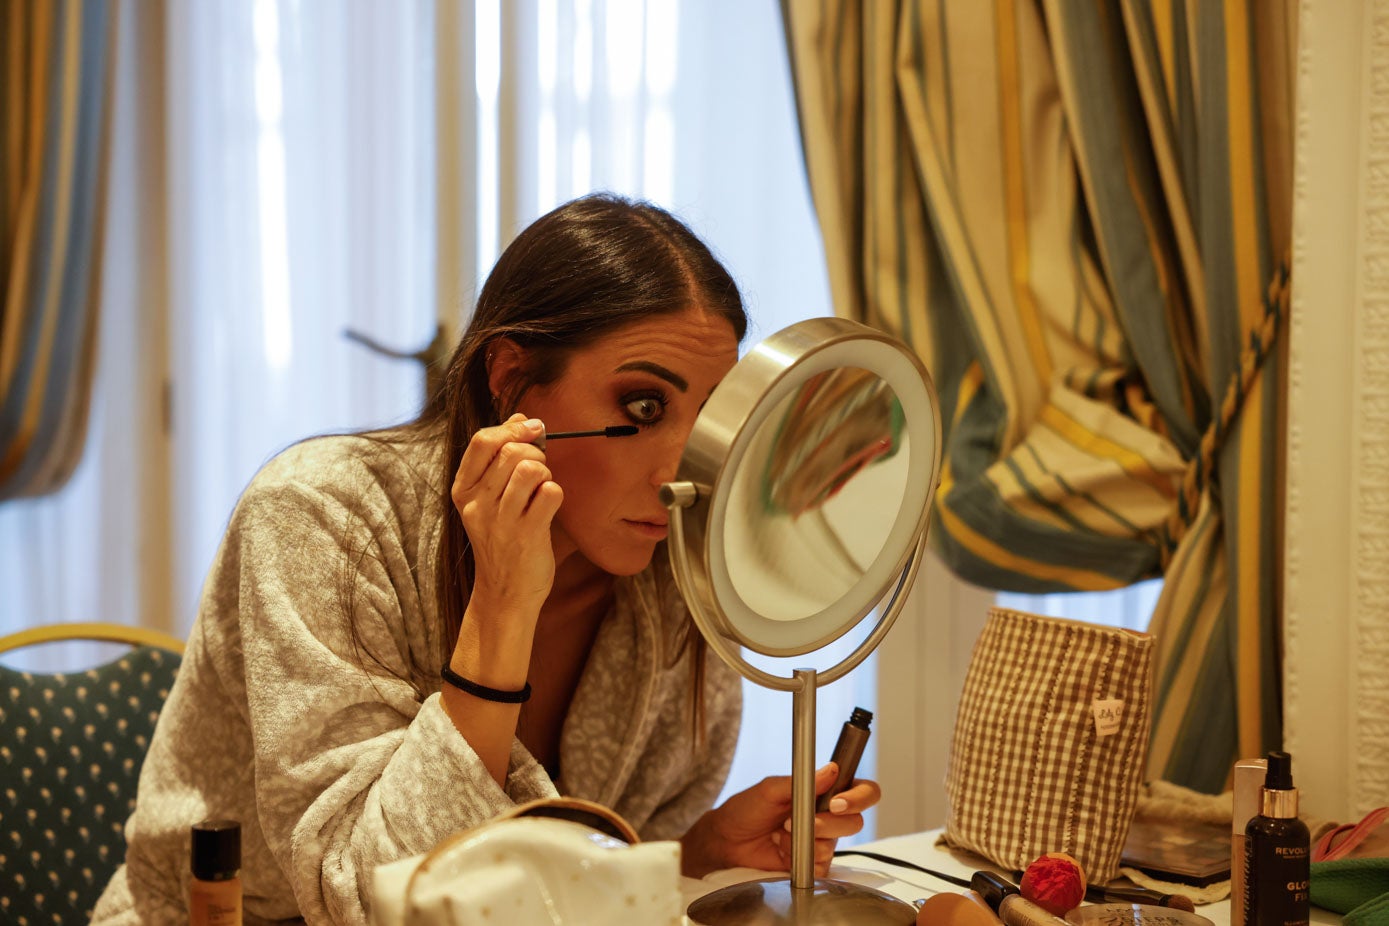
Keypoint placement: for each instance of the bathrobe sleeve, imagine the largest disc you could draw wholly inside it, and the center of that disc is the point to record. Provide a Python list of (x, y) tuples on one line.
[(352, 767)]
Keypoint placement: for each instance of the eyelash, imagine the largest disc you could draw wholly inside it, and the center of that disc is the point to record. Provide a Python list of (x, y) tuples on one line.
[(645, 396)]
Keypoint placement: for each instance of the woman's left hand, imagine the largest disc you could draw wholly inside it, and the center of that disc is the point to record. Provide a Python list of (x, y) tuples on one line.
[(752, 828)]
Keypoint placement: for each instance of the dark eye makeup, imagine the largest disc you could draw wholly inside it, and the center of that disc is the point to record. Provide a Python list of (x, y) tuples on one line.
[(644, 407)]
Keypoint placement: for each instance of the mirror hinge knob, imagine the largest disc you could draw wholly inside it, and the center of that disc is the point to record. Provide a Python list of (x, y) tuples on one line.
[(679, 494)]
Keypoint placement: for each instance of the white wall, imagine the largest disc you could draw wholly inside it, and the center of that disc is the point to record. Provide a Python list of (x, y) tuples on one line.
[(921, 672), (1336, 634)]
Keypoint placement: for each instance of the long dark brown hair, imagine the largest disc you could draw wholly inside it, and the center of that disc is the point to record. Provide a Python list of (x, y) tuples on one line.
[(590, 266)]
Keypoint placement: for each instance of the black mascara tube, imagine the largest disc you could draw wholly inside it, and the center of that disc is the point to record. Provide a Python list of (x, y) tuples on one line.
[(848, 750)]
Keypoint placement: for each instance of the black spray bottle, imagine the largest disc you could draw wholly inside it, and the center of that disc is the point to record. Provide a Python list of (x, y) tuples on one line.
[(1277, 853)]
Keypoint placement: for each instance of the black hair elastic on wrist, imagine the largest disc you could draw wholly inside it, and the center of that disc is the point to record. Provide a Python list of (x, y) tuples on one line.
[(482, 691)]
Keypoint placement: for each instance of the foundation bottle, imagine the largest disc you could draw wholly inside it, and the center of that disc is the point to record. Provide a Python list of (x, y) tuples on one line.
[(215, 895), (1277, 853)]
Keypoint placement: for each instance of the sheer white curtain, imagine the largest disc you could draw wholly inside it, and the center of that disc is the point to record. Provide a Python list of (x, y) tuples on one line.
[(301, 204), (687, 104)]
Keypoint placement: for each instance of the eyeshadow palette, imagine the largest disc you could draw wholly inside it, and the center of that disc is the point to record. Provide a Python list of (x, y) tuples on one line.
[(1187, 852)]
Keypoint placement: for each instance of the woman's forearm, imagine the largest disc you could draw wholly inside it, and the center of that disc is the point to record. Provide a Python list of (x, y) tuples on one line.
[(492, 650)]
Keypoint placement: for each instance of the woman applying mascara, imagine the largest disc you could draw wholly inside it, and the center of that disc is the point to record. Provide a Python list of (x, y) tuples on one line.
[(360, 573)]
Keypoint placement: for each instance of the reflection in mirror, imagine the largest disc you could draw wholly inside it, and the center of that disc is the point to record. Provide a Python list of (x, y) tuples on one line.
[(817, 494)]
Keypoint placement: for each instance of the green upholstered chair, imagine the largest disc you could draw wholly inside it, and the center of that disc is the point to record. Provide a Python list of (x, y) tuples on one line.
[(71, 747)]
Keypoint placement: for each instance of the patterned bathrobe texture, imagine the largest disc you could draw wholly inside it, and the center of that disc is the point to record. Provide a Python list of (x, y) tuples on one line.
[(331, 748)]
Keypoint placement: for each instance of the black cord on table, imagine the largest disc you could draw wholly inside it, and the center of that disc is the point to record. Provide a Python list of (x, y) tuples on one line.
[(904, 864)]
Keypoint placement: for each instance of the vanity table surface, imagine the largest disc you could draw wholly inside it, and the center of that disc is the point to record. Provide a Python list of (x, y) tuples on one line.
[(921, 849)]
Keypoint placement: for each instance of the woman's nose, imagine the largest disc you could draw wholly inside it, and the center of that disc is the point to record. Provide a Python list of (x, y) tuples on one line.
[(667, 460)]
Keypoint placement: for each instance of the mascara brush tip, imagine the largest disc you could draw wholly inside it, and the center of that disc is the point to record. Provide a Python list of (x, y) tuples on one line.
[(616, 430)]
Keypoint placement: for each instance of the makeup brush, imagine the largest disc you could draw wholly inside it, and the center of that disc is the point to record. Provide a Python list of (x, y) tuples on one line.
[(1139, 895)]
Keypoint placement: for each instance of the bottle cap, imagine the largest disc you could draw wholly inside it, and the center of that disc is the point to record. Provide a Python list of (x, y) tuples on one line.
[(216, 850), (861, 717), (992, 887), (1280, 772)]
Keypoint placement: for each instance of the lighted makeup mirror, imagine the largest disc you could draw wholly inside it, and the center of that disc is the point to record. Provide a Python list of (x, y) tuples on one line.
[(800, 503)]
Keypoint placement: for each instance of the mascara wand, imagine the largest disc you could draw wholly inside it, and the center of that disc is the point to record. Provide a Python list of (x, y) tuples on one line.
[(616, 430)]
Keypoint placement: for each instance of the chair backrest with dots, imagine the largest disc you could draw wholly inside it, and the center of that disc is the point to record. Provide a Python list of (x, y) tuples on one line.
[(71, 748)]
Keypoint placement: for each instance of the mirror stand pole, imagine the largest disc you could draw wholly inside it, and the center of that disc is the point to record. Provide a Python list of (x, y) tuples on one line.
[(803, 781), (802, 899)]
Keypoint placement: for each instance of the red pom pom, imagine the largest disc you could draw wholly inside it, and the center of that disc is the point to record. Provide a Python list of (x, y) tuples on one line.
[(1055, 882)]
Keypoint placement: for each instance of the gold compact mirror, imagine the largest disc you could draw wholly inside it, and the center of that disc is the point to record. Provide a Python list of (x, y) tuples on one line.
[(801, 502)]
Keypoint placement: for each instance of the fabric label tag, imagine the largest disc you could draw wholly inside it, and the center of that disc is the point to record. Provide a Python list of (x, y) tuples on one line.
[(1108, 715)]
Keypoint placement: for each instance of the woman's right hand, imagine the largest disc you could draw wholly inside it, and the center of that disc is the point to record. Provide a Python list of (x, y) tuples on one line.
[(507, 500)]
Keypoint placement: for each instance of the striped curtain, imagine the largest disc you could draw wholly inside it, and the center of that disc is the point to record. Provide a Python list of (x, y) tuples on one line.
[(1077, 211), (53, 105)]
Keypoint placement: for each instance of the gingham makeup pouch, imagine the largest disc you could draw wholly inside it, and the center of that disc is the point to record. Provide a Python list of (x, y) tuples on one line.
[(1050, 742)]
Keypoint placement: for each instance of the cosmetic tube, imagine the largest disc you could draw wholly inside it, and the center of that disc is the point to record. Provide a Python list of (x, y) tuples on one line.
[(215, 894), (848, 750), (1007, 901), (1248, 782), (1277, 853)]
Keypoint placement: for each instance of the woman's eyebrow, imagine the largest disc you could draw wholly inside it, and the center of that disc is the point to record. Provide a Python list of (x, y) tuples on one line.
[(655, 369)]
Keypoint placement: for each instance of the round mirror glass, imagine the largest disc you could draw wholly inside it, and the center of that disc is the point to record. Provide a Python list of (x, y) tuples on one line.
[(815, 498)]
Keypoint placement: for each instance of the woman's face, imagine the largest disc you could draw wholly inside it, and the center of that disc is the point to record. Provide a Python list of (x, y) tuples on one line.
[(655, 374)]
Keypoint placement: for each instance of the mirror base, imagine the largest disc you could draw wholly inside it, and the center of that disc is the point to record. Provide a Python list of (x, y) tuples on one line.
[(774, 902)]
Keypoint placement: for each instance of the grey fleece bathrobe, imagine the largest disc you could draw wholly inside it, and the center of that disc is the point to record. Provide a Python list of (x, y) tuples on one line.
[(331, 748)]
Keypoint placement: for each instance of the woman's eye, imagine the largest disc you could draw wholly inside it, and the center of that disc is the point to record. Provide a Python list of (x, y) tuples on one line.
[(645, 409)]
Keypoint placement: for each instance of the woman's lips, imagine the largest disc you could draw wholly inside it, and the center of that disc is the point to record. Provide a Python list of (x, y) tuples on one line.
[(652, 529)]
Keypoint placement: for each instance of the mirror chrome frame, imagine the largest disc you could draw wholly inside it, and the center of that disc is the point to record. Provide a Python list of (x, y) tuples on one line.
[(705, 468)]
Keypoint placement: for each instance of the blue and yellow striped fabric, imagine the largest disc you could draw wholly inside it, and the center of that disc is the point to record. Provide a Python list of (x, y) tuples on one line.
[(1077, 211), (54, 59)]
